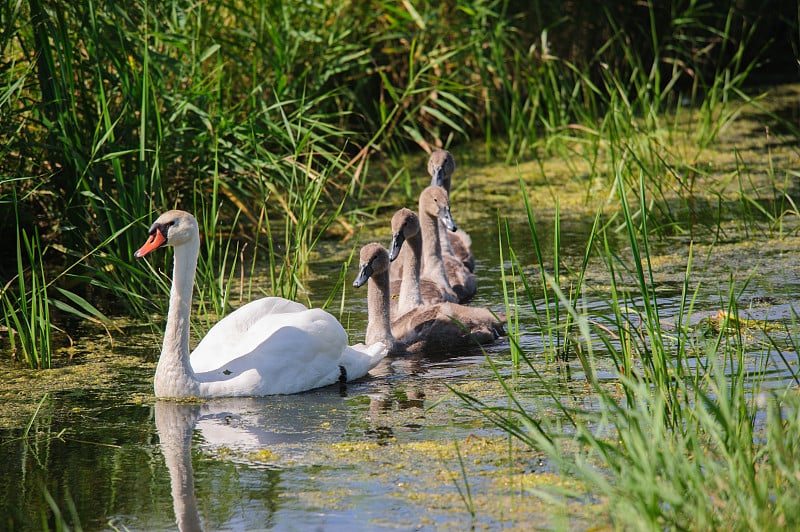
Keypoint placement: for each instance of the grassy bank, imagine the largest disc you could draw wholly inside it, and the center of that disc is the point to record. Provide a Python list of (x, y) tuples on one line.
[(684, 424), (686, 432)]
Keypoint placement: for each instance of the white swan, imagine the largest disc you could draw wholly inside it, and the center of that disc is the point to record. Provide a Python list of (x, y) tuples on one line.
[(269, 346), (441, 166)]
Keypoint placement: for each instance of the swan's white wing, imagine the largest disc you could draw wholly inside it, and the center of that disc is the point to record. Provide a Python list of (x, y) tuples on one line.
[(282, 353), (221, 342), (276, 346)]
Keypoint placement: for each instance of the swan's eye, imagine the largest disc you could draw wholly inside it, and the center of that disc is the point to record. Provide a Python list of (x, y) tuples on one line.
[(161, 228)]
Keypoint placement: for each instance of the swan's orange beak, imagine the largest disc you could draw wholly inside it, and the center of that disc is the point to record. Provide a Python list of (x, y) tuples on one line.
[(155, 241)]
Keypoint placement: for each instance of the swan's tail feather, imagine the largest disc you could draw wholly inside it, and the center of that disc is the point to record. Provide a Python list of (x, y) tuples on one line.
[(378, 349), (359, 359)]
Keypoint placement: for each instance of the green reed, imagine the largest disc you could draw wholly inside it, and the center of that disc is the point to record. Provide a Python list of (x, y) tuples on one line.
[(509, 281), (26, 310), (684, 430), (630, 102), (217, 264), (185, 87), (307, 217), (28, 297), (553, 323)]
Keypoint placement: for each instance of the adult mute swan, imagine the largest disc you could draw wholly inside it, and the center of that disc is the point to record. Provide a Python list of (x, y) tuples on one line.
[(269, 346)]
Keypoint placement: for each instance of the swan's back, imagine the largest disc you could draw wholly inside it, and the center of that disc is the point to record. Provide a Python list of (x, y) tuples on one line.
[(236, 333), (276, 346)]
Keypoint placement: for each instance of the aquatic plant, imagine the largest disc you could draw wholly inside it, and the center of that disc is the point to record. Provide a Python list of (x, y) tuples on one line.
[(26, 306), (26, 310), (684, 430), (167, 96)]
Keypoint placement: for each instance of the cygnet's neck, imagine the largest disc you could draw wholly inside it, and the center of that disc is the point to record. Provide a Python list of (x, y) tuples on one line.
[(432, 265), (410, 297), (378, 324), (444, 240)]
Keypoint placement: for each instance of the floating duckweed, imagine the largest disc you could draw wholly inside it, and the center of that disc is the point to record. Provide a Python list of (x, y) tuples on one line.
[(527, 481), (354, 447), (263, 455)]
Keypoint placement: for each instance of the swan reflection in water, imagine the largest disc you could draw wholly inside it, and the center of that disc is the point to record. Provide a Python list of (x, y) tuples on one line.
[(175, 424), (289, 425), (244, 425)]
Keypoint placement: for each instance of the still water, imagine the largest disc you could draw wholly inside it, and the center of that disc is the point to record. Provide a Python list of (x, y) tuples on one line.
[(374, 455), (394, 451)]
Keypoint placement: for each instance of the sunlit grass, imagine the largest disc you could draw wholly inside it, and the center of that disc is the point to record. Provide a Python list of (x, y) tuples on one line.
[(683, 430), (274, 122), (26, 309)]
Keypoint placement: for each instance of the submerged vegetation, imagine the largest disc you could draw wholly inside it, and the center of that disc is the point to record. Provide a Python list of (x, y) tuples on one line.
[(281, 125)]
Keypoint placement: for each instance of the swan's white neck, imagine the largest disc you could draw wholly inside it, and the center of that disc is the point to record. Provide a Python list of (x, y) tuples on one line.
[(432, 264), (378, 323), (410, 297), (174, 375)]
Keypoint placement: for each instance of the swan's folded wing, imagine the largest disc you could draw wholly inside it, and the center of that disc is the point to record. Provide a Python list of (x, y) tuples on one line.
[(253, 321), (281, 353), (302, 351)]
